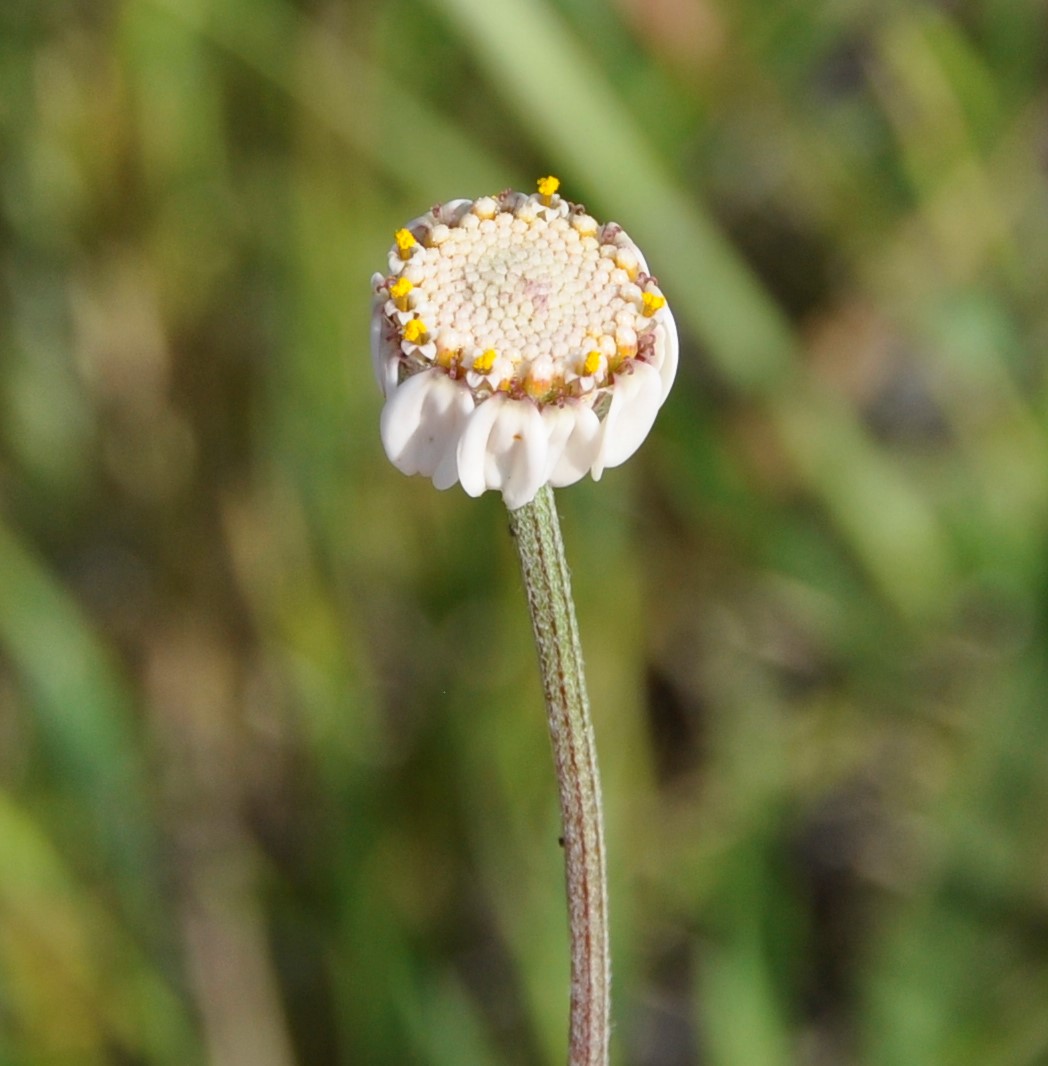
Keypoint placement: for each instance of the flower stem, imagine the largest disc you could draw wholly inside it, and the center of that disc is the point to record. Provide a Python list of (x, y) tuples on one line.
[(537, 533)]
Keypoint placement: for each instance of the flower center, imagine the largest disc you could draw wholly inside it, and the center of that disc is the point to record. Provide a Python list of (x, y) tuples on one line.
[(523, 294)]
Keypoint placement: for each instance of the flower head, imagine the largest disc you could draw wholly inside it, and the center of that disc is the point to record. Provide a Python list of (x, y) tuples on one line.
[(517, 342)]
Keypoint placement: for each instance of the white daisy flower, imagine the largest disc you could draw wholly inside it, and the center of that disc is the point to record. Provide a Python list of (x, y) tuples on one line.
[(517, 342)]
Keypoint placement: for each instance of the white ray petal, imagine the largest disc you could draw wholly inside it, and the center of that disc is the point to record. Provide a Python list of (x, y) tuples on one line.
[(573, 442), (635, 401), (422, 422)]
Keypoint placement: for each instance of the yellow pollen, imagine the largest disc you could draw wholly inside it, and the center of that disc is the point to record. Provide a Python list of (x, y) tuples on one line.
[(651, 302), (415, 331), (399, 291), (592, 364), (405, 242), (548, 186), (484, 362)]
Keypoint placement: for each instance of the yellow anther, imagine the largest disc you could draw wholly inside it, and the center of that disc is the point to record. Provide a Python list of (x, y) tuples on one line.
[(651, 302), (415, 331), (591, 365), (485, 361), (547, 187), (399, 290), (405, 242)]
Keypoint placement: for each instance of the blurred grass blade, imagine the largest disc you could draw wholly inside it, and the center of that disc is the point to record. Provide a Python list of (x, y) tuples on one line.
[(96, 989), (81, 705), (344, 90)]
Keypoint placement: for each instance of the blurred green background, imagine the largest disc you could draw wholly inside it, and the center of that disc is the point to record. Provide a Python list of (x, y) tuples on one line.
[(275, 785)]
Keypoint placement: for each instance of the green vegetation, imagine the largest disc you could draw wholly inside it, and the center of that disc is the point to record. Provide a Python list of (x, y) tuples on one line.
[(275, 784)]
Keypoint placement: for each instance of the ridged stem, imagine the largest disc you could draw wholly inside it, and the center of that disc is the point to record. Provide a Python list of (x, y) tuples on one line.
[(536, 530)]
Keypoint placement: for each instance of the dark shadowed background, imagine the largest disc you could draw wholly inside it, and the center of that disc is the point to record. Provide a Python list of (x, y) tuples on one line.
[(275, 785)]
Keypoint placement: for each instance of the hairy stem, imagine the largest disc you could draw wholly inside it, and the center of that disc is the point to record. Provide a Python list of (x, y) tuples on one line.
[(537, 532)]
